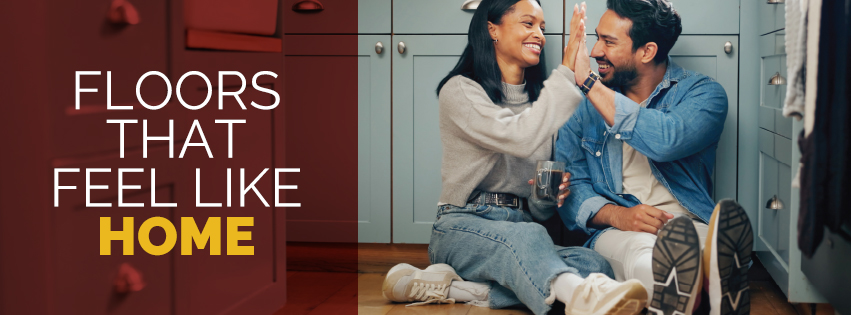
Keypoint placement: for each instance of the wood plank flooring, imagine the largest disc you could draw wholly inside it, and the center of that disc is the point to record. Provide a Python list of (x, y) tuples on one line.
[(327, 292)]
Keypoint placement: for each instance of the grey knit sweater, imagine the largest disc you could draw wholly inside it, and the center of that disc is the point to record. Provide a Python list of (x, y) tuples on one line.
[(494, 147)]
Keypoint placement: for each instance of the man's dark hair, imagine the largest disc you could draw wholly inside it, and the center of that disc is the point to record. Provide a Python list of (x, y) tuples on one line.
[(652, 21)]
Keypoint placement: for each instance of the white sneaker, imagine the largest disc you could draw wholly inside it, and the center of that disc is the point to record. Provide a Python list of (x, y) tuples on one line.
[(599, 295), (406, 283)]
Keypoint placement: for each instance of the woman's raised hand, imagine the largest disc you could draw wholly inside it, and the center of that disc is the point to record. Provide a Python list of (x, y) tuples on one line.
[(577, 34)]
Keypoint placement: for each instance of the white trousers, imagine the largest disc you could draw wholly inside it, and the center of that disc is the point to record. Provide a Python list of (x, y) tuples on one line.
[(631, 253)]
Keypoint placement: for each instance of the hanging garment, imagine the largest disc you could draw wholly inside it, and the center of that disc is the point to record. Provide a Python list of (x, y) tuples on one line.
[(796, 57), (828, 173)]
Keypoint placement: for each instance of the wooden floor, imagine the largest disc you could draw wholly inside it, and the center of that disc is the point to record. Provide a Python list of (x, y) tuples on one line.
[(327, 292)]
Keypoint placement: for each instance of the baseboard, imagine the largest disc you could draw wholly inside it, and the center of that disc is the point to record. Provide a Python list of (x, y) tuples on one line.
[(351, 257)]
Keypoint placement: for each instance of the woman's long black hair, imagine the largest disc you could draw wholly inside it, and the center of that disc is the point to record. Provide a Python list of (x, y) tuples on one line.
[(478, 62)]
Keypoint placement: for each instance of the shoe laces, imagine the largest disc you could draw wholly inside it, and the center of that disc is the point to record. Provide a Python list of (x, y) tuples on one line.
[(429, 293), (594, 285)]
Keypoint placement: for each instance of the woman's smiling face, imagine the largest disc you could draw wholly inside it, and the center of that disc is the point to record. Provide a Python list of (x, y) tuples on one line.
[(520, 35)]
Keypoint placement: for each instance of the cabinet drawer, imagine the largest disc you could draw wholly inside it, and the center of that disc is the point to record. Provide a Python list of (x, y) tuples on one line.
[(783, 150), (766, 142), (782, 125), (773, 226), (84, 279), (767, 116), (698, 17), (773, 95), (772, 17), (339, 17), (86, 41), (446, 17), (772, 44)]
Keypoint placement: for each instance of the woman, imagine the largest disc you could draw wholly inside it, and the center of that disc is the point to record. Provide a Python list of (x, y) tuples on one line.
[(497, 118)]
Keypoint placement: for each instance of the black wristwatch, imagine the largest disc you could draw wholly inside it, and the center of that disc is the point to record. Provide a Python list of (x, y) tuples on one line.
[(589, 82)]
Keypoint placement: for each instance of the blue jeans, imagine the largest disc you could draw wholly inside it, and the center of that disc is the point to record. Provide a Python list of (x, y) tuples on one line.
[(504, 247)]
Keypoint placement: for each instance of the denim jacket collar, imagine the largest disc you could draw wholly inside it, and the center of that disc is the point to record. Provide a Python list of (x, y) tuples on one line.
[(673, 73)]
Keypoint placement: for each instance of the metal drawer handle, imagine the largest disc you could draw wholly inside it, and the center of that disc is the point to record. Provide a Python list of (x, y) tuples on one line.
[(776, 1), (471, 5), (728, 47), (774, 203), (402, 47), (777, 79), (379, 48), (308, 6)]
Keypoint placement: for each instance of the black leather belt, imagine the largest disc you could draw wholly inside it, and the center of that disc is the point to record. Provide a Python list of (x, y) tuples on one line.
[(499, 199)]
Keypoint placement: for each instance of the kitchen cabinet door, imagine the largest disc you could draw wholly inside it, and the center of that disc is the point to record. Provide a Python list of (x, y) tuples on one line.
[(229, 284), (374, 138), (232, 284), (331, 80), (417, 149), (705, 54), (447, 16), (698, 17)]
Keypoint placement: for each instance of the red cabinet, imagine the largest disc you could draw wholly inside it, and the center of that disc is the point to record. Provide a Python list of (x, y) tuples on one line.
[(51, 262)]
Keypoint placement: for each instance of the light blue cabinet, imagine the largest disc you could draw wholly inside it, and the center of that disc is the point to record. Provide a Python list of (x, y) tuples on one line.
[(698, 17), (417, 149), (373, 139), (374, 16), (706, 55), (778, 203), (447, 17), (772, 16)]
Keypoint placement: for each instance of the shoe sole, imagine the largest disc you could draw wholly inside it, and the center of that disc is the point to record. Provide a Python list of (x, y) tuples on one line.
[(729, 254), (632, 303), (676, 268), (628, 302)]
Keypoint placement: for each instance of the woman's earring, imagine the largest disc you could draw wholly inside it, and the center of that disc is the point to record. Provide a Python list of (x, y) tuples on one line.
[(495, 40)]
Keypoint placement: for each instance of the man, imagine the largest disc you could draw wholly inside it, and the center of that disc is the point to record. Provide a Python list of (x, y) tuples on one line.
[(641, 152)]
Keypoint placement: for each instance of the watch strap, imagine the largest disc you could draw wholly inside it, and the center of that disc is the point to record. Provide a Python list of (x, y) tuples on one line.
[(589, 82)]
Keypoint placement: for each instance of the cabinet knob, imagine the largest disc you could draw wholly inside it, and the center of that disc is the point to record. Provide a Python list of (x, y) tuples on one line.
[(402, 47), (122, 12), (379, 48), (728, 47), (128, 280), (776, 1), (774, 203), (308, 6), (471, 5)]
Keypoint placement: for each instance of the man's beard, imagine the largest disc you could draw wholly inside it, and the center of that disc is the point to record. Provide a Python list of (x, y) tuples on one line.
[(620, 75)]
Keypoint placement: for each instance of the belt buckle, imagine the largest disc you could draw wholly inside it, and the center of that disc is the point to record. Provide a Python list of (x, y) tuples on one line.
[(513, 204)]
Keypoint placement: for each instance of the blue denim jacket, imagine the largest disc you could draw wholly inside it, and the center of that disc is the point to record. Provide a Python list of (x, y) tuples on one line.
[(678, 131)]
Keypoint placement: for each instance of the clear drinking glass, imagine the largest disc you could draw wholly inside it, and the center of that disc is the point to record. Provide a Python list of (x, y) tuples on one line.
[(548, 176)]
